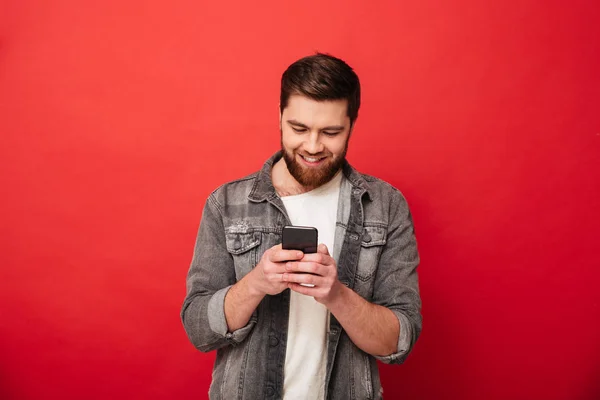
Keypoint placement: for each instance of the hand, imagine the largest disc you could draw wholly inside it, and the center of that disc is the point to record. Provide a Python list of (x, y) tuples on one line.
[(318, 269), (267, 276)]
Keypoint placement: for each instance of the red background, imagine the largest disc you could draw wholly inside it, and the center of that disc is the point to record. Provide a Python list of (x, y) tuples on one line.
[(118, 118)]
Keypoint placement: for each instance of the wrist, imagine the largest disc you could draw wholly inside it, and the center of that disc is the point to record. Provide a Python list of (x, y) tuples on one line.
[(252, 287), (338, 297)]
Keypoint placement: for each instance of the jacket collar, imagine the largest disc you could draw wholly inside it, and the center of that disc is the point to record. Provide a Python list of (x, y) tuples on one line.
[(263, 185)]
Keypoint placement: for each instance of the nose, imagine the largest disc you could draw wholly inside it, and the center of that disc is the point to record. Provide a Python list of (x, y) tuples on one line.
[(313, 144)]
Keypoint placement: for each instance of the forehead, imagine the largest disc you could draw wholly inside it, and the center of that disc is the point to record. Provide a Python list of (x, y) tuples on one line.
[(315, 113)]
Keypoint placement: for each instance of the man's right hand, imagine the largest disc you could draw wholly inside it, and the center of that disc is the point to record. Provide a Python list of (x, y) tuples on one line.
[(268, 273), (266, 278)]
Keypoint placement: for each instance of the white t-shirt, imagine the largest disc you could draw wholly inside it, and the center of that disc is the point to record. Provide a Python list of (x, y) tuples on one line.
[(306, 351)]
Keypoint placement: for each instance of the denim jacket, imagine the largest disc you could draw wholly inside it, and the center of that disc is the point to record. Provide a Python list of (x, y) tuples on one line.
[(376, 256)]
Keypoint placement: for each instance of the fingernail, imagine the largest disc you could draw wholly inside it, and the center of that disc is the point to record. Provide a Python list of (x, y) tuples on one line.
[(299, 254)]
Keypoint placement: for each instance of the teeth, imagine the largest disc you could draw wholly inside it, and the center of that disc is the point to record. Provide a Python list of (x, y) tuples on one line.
[(310, 159)]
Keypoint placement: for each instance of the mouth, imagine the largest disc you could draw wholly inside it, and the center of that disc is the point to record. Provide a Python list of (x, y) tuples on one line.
[(312, 161)]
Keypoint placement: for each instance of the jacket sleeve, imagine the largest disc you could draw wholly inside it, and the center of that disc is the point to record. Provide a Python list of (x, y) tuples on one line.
[(396, 283), (210, 277)]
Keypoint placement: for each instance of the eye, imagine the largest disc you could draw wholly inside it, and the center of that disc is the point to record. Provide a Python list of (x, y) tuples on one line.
[(331, 133), (298, 130)]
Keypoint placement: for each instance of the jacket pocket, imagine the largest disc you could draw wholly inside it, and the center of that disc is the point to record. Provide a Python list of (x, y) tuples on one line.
[(243, 247), (372, 242)]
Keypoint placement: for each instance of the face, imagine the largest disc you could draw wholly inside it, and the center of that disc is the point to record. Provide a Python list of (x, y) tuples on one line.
[(314, 139)]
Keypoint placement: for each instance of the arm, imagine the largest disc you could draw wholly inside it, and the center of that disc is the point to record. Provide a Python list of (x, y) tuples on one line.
[(240, 302), (265, 279), (372, 328), (210, 277), (388, 327), (396, 285), (217, 311)]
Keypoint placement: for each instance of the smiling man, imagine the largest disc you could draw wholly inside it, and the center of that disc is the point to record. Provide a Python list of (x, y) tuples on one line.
[(305, 326)]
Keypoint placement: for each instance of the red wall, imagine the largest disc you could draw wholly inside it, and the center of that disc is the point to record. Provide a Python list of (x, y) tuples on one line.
[(118, 118)]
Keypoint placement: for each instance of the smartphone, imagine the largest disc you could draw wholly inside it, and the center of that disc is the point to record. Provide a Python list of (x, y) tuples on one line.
[(304, 238)]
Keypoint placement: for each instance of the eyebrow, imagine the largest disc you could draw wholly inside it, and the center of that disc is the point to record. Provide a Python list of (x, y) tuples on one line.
[(327, 128)]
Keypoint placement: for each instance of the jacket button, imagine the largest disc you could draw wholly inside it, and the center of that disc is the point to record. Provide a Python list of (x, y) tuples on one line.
[(270, 391), (367, 238), (273, 341)]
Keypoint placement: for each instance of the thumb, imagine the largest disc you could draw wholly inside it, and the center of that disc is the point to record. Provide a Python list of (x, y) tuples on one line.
[(323, 249)]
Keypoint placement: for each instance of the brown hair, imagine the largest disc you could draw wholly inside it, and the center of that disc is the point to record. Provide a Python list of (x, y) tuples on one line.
[(321, 77)]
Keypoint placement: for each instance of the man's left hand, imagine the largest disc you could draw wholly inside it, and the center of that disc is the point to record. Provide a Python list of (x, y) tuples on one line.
[(318, 269)]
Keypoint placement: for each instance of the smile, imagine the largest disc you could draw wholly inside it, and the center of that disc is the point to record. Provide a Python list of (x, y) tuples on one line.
[(312, 160)]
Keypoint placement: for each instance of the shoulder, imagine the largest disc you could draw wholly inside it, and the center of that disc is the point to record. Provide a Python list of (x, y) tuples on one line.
[(385, 202), (235, 191), (381, 190)]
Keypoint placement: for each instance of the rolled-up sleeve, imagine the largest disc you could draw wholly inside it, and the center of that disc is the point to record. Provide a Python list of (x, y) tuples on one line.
[(396, 283), (210, 277)]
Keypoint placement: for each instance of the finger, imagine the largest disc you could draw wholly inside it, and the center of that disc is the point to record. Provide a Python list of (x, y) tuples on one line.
[(285, 255), (276, 278), (308, 267), (305, 290), (272, 268), (308, 279), (320, 258), (323, 249)]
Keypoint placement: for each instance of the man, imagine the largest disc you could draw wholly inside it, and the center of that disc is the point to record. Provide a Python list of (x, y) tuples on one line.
[(305, 326)]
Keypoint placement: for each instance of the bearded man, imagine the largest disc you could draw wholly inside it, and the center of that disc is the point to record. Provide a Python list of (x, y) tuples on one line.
[(305, 326)]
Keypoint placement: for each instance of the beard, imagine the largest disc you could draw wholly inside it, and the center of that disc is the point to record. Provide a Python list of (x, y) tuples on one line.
[(313, 177)]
